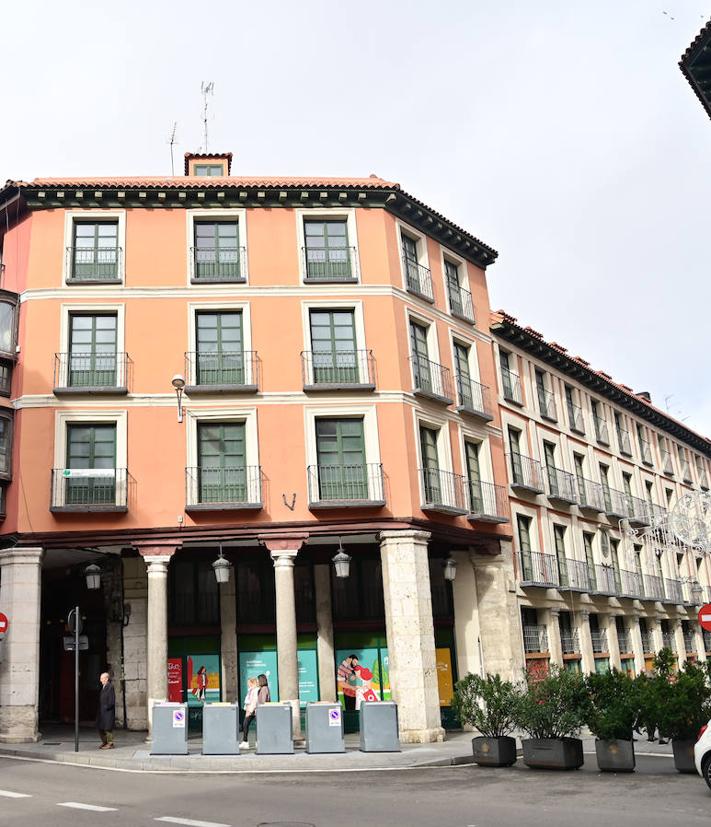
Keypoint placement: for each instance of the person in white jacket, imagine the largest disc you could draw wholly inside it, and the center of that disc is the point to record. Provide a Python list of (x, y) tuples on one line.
[(250, 710)]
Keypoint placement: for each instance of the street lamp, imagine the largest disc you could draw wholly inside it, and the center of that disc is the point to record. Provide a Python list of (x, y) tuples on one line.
[(697, 593), (450, 569), (93, 577), (341, 561), (221, 567), (178, 382)]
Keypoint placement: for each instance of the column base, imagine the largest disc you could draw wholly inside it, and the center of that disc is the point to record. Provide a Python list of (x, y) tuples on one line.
[(18, 725), (422, 736)]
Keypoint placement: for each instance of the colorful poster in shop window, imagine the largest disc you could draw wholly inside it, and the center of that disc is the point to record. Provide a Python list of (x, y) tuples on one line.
[(308, 676), (445, 682), (175, 680), (203, 679), (252, 664), (362, 675)]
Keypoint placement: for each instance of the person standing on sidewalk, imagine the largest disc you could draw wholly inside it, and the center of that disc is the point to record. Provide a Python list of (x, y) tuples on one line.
[(106, 713), (250, 709)]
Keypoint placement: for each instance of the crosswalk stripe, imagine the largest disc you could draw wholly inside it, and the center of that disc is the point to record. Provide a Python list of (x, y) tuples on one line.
[(189, 822), (77, 805), (10, 794)]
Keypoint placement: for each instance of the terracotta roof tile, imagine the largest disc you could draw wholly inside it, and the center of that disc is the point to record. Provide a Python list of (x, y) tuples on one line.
[(201, 182)]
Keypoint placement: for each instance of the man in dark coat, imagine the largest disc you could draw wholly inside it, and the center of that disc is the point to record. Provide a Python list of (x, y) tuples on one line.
[(106, 713)]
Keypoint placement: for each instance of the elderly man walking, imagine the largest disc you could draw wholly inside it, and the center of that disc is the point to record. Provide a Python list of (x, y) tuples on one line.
[(106, 713)]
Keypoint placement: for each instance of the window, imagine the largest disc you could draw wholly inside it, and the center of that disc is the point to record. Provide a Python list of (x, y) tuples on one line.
[(430, 465), (601, 433), (94, 252), (326, 250), (418, 278), (669, 493), (588, 541), (92, 351), (222, 465), (515, 449), (209, 170), (334, 347), (623, 435), (546, 400), (340, 451), (561, 561), (575, 412), (579, 461), (551, 470), (220, 354), (216, 251), (470, 394), (460, 299), (685, 465), (5, 445), (649, 489), (90, 470), (360, 595), (5, 378), (8, 325), (429, 378), (627, 487), (193, 594), (645, 449), (604, 480), (523, 530), (667, 462), (476, 497), (615, 559), (510, 381), (568, 634)]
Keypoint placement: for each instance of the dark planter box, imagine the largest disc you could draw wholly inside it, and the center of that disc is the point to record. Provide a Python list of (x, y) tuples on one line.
[(615, 756), (494, 752), (683, 749), (553, 753)]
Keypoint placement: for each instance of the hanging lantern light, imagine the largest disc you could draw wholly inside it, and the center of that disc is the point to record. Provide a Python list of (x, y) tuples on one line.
[(450, 569), (342, 561), (93, 577), (221, 567)]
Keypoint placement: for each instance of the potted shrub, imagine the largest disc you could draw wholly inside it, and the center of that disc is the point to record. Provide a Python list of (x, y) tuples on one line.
[(551, 711), (683, 707), (488, 704), (611, 714)]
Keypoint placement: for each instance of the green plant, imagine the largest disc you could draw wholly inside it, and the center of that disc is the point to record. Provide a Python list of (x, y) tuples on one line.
[(683, 701), (664, 662), (554, 706), (613, 705), (488, 703)]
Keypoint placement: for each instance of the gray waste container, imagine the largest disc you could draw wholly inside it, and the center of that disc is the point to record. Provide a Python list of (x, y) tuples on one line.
[(220, 724), (324, 728), (274, 729), (378, 727), (169, 735)]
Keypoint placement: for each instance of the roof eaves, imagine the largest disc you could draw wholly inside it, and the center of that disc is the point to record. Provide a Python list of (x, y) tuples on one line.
[(686, 64)]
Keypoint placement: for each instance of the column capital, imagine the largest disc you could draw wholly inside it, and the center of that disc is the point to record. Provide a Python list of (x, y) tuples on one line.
[(21, 556), (156, 557), (555, 611), (283, 544), (284, 558), (412, 534), (584, 614)]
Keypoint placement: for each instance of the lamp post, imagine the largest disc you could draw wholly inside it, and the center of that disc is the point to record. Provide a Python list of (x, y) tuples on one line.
[(341, 561), (178, 382)]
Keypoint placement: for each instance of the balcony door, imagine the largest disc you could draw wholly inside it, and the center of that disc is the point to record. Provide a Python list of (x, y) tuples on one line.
[(95, 250), (220, 349), (216, 251), (561, 561), (523, 525), (222, 471), (614, 556), (590, 560), (476, 497), (91, 465), (430, 465), (551, 470), (333, 344), (92, 351), (464, 380), (340, 447), (327, 250), (515, 449), (420, 357)]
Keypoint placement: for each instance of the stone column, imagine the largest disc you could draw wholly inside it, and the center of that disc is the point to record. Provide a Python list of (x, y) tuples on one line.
[(283, 550), (20, 599), (157, 559), (228, 639), (679, 638), (467, 635), (698, 642), (655, 630), (613, 643), (586, 647), (410, 632), (324, 633), (636, 639), (551, 618)]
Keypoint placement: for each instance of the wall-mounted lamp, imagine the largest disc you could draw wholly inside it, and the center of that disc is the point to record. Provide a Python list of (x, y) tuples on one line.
[(450, 569), (341, 561), (178, 382), (93, 577), (221, 567)]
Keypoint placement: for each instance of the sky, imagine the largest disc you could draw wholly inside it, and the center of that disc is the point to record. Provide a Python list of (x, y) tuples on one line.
[(560, 132)]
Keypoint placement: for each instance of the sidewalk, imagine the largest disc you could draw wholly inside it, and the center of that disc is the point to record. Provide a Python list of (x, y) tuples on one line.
[(132, 755)]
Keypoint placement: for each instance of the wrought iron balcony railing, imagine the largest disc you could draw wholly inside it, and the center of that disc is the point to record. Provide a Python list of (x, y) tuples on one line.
[(669, 641), (576, 420), (631, 582), (535, 638), (647, 644), (537, 569), (689, 647), (235, 371), (346, 486), (562, 486), (645, 450), (623, 642), (418, 279), (473, 398), (98, 373), (667, 462), (546, 404), (488, 503), (672, 591), (340, 370), (443, 491), (94, 264), (601, 431), (89, 489), (653, 587), (511, 386), (431, 380), (590, 495), (623, 439), (223, 489), (617, 504), (640, 512), (460, 302), (326, 264), (573, 574), (526, 473), (570, 642), (599, 641), (608, 580), (223, 264)]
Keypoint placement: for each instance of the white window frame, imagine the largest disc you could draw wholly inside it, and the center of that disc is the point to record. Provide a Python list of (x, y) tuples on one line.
[(220, 307), (422, 251), (486, 469), (432, 340), (462, 277), (358, 324), (70, 308), (326, 214), (238, 214), (517, 510), (444, 446), (246, 415), (70, 216)]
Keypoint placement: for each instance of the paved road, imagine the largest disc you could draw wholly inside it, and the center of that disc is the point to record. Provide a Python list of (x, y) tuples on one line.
[(441, 797)]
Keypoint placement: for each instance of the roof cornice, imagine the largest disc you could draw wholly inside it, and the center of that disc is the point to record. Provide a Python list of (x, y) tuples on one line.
[(695, 65)]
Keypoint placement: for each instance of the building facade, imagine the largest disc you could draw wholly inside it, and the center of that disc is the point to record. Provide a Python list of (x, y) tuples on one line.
[(595, 472), (268, 372)]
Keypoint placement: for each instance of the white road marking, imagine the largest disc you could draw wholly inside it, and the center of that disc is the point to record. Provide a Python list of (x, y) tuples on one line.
[(190, 822), (77, 805), (9, 794)]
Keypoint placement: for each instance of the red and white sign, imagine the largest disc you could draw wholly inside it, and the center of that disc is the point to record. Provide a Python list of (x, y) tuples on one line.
[(705, 617), (175, 680), (4, 624)]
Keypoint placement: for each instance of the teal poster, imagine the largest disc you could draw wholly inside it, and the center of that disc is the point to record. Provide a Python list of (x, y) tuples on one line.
[(203, 679), (362, 676), (308, 676), (252, 664)]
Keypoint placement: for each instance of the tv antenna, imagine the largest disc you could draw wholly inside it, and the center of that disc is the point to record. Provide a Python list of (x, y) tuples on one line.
[(171, 141), (207, 88)]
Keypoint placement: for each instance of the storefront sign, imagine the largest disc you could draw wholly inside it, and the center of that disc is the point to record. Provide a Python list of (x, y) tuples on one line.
[(175, 680), (203, 679), (445, 683)]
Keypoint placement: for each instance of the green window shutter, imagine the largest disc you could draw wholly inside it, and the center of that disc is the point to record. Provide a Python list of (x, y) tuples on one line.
[(220, 349), (92, 351), (333, 345), (222, 453), (464, 382), (216, 251), (91, 447), (327, 250), (95, 250), (474, 477), (340, 447)]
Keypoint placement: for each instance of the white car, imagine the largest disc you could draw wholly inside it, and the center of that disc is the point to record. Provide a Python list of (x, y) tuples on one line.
[(702, 753)]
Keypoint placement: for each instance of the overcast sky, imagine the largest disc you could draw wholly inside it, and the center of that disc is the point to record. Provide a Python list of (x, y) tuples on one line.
[(560, 132)]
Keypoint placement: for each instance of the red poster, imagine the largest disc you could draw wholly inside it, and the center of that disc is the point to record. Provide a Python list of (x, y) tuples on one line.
[(175, 680)]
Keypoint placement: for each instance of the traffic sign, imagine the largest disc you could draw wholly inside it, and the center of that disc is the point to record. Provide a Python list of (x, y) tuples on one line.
[(4, 624), (71, 619), (705, 617), (69, 643)]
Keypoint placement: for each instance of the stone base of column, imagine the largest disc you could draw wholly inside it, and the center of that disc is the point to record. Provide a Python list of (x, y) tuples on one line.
[(18, 725), (422, 736)]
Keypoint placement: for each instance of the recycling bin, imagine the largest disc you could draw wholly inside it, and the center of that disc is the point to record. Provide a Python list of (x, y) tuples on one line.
[(378, 727), (324, 727), (220, 726), (274, 729), (169, 735)]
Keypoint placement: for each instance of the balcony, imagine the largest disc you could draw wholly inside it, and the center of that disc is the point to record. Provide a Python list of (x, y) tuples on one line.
[(346, 486), (537, 569), (647, 643), (488, 503), (336, 265), (418, 279), (672, 591), (599, 641), (601, 432), (707, 640), (667, 463), (473, 399), (631, 584), (223, 489), (623, 641), (443, 492), (90, 265), (668, 641), (590, 495), (623, 440), (101, 374), (569, 642), (576, 420), (562, 486), (653, 587), (546, 405), (617, 506), (225, 372), (89, 490), (211, 265), (535, 639), (460, 302), (526, 474), (344, 370), (693, 592), (431, 380), (573, 574), (689, 647), (640, 512), (511, 386), (607, 580), (703, 481)]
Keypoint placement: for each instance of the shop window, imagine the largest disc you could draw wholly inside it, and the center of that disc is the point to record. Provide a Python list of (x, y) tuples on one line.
[(8, 325), (441, 591), (256, 595), (359, 596), (194, 595)]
